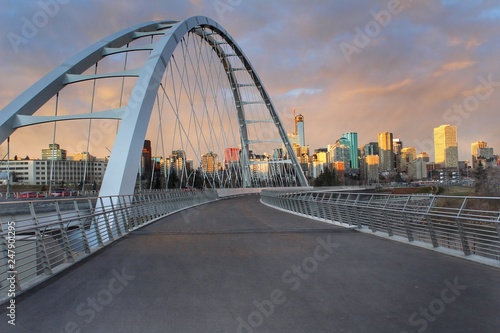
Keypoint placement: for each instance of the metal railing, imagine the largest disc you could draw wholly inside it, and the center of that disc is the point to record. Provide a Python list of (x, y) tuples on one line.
[(39, 238), (467, 224)]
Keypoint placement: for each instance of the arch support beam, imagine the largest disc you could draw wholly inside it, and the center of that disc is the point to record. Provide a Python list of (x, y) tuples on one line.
[(120, 177)]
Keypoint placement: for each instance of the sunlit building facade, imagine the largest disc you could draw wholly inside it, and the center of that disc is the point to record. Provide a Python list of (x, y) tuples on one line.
[(475, 151), (386, 151), (299, 129), (446, 146), (372, 163)]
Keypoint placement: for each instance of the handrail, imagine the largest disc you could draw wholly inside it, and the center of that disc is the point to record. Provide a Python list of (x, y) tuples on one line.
[(470, 225), (41, 237)]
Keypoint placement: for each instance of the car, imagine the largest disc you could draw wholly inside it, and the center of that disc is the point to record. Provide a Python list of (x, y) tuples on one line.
[(30, 195), (62, 192)]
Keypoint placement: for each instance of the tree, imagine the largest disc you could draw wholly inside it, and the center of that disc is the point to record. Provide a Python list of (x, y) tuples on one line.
[(326, 178), (157, 184), (173, 179), (481, 179), (398, 178)]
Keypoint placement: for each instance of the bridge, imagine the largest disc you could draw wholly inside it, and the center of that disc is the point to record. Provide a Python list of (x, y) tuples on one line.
[(218, 253), (236, 265)]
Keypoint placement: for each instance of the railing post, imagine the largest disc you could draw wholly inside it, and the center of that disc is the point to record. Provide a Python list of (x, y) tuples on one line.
[(140, 208), (115, 218), (40, 241), (384, 214), (125, 211), (95, 222), (121, 215), (66, 243), (64, 235), (106, 220), (155, 206), (81, 227), (354, 211), (322, 206), (337, 209), (463, 237), (375, 212), (367, 208), (313, 207), (288, 201), (300, 204), (432, 232), (295, 203), (497, 227), (409, 233)]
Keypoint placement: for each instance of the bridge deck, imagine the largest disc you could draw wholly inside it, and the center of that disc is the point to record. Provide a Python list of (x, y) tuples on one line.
[(238, 266)]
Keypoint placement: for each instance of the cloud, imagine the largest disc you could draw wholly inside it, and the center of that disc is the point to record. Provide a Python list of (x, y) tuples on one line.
[(300, 91), (454, 66), (378, 90)]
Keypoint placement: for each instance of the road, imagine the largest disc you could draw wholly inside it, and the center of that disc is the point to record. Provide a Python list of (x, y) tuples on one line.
[(239, 266)]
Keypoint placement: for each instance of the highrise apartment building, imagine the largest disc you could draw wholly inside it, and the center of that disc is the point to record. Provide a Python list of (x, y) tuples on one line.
[(353, 144), (372, 167), (407, 161), (386, 151), (476, 151), (446, 146), (209, 163), (299, 129)]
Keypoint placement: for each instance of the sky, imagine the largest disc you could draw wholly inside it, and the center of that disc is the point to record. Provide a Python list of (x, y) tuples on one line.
[(365, 66)]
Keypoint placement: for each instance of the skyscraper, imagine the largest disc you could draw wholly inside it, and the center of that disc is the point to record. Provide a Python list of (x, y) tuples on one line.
[(475, 147), (353, 143), (209, 163), (340, 152), (177, 161), (446, 146), (407, 161), (397, 146), (370, 149), (421, 165), (231, 155), (299, 129), (386, 151), (146, 162), (372, 167)]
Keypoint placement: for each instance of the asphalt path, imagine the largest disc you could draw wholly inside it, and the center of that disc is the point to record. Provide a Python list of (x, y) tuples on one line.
[(238, 266)]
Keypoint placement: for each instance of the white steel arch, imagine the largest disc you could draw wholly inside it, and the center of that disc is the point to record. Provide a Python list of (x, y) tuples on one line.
[(121, 174)]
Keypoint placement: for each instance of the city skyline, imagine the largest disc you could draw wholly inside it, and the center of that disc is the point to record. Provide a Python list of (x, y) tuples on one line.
[(423, 68), (386, 137)]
